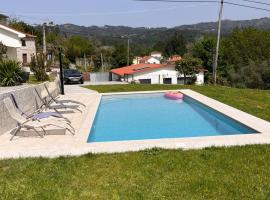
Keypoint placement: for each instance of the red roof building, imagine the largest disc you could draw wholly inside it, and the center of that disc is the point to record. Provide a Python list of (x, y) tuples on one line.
[(133, 69)]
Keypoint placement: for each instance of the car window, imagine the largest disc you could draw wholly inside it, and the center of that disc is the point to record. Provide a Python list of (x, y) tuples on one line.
[(67, 72)]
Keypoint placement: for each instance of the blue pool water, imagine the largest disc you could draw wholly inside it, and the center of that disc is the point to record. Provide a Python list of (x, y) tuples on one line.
[(152, 116)]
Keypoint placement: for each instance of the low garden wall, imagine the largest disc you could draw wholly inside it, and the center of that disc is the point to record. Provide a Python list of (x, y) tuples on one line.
[(27, 100)]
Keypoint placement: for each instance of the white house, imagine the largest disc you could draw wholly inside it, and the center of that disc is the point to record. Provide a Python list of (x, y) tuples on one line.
[(152, 74), (136, 60), (20, 46), (149, 60), (157, 55)]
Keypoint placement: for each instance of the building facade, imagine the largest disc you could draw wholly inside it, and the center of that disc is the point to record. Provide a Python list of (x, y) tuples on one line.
[(152, 74), (149, 60), (20, 46)]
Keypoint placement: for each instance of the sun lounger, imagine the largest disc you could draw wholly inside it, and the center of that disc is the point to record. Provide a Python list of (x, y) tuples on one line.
[(56, 100), (47, 104), (38, 114), (34, 125)]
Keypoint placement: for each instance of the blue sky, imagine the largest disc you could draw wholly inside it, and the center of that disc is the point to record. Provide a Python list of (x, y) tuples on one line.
[(123, 12)]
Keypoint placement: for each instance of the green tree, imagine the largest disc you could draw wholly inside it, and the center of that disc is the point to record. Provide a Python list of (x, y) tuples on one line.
[(119, 56), (175, 45), (37, 65), (188, 66), (205, 50), (77, 46)]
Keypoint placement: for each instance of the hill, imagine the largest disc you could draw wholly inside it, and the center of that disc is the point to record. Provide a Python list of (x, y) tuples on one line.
[(109, 35)]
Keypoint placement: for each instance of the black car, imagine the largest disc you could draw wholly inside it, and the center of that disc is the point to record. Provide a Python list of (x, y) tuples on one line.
[(73, 76)]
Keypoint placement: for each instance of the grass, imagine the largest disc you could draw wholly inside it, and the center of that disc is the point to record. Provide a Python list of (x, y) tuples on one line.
[(34, 81), (255, 102), (213, 173)]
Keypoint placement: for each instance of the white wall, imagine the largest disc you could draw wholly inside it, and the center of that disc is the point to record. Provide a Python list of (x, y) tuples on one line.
[(153, 61), (156, 55), (200, 78), (157, 76), (10, 39)]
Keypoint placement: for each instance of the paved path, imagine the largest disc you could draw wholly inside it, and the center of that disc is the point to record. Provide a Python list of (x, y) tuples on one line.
[(75, 89)]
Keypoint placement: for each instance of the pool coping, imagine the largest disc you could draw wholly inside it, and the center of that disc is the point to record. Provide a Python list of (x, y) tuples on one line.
[(255, 123), (54, 146)]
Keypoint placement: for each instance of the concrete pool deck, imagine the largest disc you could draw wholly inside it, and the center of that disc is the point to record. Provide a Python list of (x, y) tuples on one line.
[(67, 145)]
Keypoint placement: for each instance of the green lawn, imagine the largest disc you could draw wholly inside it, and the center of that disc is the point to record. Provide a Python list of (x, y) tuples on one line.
[(255, 102), (212, 173)]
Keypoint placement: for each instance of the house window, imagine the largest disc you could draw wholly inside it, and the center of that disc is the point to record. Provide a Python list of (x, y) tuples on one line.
[(145, 81), (24, 57), (23, 43), (167, 81)]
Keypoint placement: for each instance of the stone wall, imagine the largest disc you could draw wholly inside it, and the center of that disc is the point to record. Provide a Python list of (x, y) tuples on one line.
[(27, 100)]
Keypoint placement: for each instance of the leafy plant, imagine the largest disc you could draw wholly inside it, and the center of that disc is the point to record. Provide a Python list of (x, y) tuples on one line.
[(3, 50), (188, 66), (10, 73), (38, 66)]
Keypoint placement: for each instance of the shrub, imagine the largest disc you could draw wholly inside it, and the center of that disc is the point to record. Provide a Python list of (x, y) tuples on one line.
[(37, 65), (3, 50), (11, 73)]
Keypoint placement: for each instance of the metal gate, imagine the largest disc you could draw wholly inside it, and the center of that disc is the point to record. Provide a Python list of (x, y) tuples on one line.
[(100, 77)]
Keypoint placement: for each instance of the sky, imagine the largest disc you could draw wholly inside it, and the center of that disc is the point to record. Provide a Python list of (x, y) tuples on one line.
[(124, 12)]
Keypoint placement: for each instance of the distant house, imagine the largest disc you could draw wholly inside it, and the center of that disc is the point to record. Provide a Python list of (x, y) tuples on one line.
[(149, 60), (157, 55), (152, 74), (136, 60), (173, 59), (20, 46)]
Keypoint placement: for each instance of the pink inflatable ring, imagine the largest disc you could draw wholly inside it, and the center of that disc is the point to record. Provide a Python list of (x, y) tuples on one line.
[(174, 95)]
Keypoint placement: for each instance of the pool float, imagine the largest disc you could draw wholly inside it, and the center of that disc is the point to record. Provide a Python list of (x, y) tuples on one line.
[(174, 95)]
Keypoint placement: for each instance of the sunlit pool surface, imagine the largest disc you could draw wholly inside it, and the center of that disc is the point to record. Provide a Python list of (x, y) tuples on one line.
[(152, 116)]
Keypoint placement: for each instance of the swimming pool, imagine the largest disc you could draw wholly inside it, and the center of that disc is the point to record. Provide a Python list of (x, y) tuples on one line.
[(152, 116)]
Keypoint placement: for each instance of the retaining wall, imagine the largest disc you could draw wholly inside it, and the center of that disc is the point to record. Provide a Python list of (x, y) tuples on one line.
[(27, 100)]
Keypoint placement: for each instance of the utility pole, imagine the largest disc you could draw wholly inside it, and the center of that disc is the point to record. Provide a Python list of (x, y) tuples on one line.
[(84, 62), (102, 63), (215, 65), (128, 52), (44, 44)]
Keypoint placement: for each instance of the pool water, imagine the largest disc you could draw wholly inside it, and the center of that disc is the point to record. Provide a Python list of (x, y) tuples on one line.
[(152, 116)]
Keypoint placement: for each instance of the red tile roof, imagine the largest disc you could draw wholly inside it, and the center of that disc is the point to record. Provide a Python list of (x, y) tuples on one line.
[(133, 69), (145, 59)]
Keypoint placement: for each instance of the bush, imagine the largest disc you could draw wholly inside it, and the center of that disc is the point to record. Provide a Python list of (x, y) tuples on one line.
[(252, 75), (11, 73), (37, 65)]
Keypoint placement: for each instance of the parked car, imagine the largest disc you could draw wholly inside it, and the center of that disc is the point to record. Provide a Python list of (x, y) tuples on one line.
[(73, 76)]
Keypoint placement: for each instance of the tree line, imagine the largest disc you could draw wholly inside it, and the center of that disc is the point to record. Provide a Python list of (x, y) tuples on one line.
[(243, 62)]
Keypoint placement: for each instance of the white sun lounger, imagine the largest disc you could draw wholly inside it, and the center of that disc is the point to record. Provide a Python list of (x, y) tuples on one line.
[(48, 104), (56, 100), (34, 125)]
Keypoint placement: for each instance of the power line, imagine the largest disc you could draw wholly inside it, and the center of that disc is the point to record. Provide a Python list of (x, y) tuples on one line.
[(213, 1), (257, 2), (184, 1), (246, 6)]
